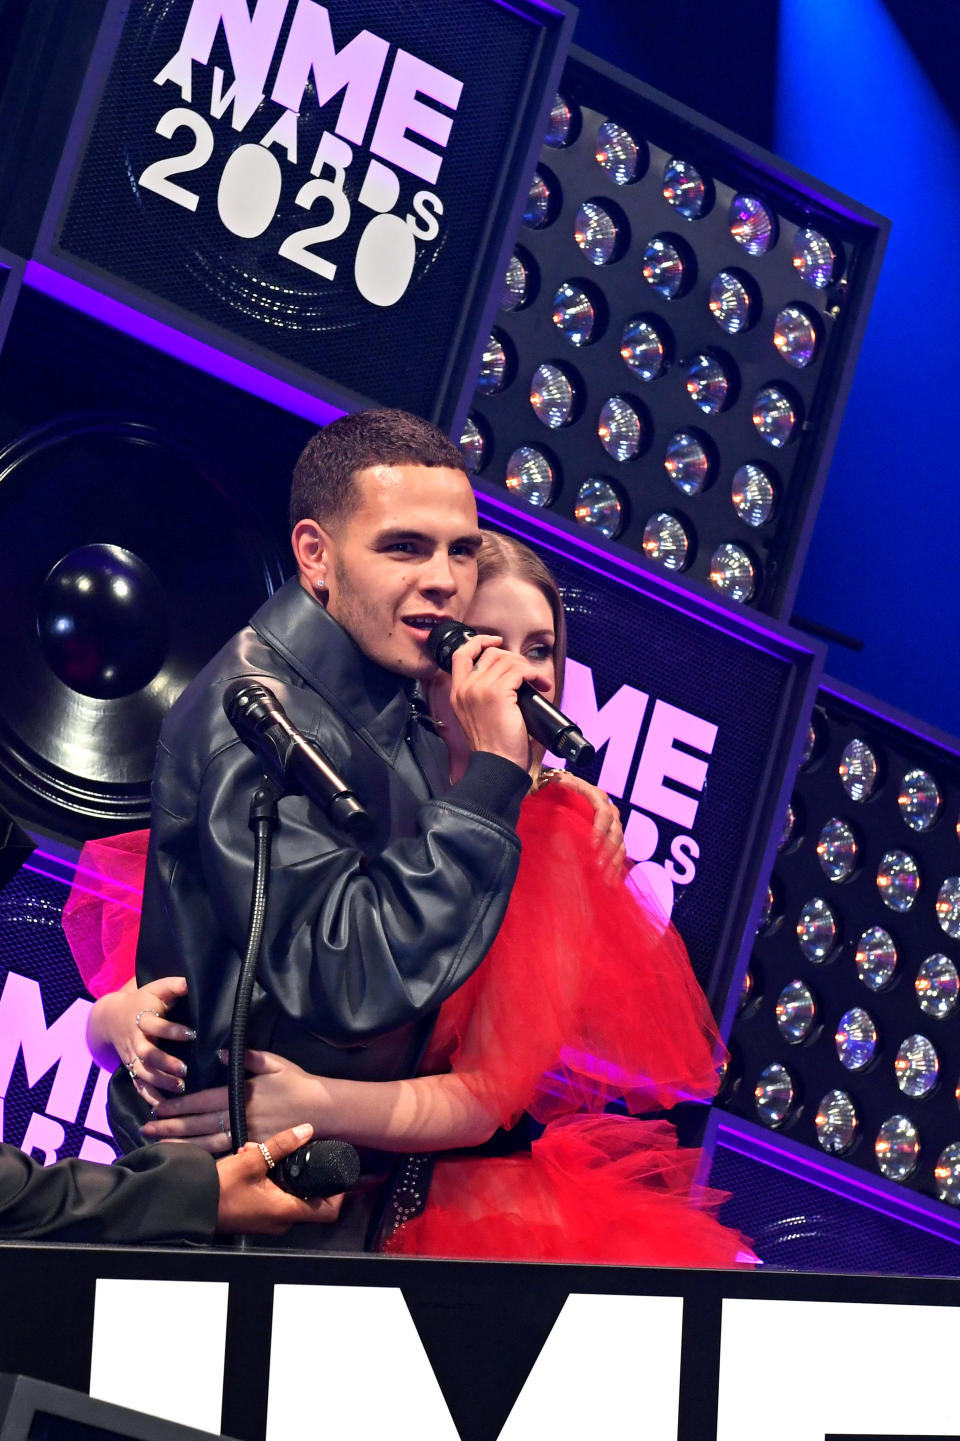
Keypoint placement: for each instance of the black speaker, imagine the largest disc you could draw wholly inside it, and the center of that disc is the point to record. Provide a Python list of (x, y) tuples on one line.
[(145, 506)]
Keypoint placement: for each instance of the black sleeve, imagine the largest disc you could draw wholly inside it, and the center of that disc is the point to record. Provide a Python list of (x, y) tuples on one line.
[(357, 945), (158, 1193)]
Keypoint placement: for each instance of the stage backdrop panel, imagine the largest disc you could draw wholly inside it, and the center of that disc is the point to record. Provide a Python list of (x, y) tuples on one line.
[(696, 714), (328, 190)]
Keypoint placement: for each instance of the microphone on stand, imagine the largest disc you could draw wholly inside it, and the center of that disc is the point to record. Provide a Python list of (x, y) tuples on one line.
[(544, 722), (289, 757), (292, 763)]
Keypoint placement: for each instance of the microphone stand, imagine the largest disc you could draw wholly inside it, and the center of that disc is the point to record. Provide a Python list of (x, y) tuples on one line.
[(264, 819), (312, 1167)]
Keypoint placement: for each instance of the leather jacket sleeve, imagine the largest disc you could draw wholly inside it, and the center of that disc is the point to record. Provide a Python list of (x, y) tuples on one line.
[(356, 943), (157, 1193)]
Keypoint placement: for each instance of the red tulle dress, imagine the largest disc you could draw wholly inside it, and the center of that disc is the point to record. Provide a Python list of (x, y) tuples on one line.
[(586, 997)]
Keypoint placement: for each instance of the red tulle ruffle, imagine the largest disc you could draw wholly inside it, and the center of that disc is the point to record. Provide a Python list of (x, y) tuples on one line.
[(596, 1190), (585, 996)]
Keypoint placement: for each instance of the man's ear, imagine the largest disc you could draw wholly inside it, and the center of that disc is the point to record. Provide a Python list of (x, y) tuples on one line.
[(312, 550)]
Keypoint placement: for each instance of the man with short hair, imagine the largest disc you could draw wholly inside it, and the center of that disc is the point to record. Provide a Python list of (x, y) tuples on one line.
[(362, 943)]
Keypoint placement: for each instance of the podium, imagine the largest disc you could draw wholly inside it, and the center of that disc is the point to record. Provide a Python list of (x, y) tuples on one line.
[(283, 1344)]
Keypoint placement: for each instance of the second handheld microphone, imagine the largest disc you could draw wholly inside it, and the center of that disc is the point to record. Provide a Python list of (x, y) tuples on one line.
[(544, 722)]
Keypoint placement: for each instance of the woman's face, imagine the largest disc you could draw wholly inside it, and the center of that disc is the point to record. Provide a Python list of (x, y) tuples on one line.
[(520, 612)]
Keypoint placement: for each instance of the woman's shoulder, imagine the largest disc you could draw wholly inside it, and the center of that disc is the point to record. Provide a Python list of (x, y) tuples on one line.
[(554, 800)]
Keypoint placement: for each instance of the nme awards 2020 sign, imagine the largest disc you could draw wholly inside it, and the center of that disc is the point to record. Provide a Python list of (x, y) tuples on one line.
[(325, 182)]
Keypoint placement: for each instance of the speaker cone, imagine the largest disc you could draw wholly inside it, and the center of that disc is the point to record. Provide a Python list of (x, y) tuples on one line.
[(127, 566)]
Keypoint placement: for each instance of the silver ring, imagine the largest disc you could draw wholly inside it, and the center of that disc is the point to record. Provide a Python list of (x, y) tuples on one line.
[(266, 1155), (220, 1126), (131, 1068), (147, 1011)]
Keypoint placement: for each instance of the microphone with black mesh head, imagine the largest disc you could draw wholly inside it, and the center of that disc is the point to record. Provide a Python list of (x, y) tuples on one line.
[(543, 721)]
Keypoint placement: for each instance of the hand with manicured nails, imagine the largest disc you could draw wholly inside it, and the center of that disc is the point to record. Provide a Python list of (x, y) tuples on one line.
[(127, 1025), (249, 1200)]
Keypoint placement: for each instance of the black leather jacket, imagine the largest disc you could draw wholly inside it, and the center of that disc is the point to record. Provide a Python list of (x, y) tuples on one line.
[(361, 945)]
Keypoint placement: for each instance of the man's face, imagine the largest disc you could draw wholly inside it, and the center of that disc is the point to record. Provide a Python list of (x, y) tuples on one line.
[(406, 557)]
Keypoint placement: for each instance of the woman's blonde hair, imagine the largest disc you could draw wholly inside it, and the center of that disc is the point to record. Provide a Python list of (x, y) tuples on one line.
[(502, 555)]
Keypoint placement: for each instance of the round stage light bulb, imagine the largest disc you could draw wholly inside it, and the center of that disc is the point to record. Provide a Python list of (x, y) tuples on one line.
[(775, 416), (946, 1173), (746, 989), (598, 505), (472, 444), (708, 384), (620, 428), (788, 834), (536, 213), (514, 284), (551, 395), (774, 1094), (919, 800), (917, 1067), (729, 302), (530, 474), (684, 188), (686, 462), (559, 124), (948, 907), (665, 541), (897, 1148), (796, 1011), (898, 880), (663, 267), (617, 153), (642, 349), (767, 910), (595, 232), (795, 336), (876, 958), (817, 930), (752, 225), (732, 572), (937, 986), (493, 367), (814, 258), (573, 313), (752, 494), (836, 1122), (809, 745), (837, 849), (858, 770), (856, 1038)]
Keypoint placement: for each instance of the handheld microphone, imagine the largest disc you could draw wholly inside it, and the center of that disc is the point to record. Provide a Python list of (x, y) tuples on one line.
[(543, 721), (288, 757), (318, 1168)]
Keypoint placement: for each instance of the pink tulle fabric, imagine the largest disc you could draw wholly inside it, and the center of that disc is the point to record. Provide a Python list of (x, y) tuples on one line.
[(101, 918)]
